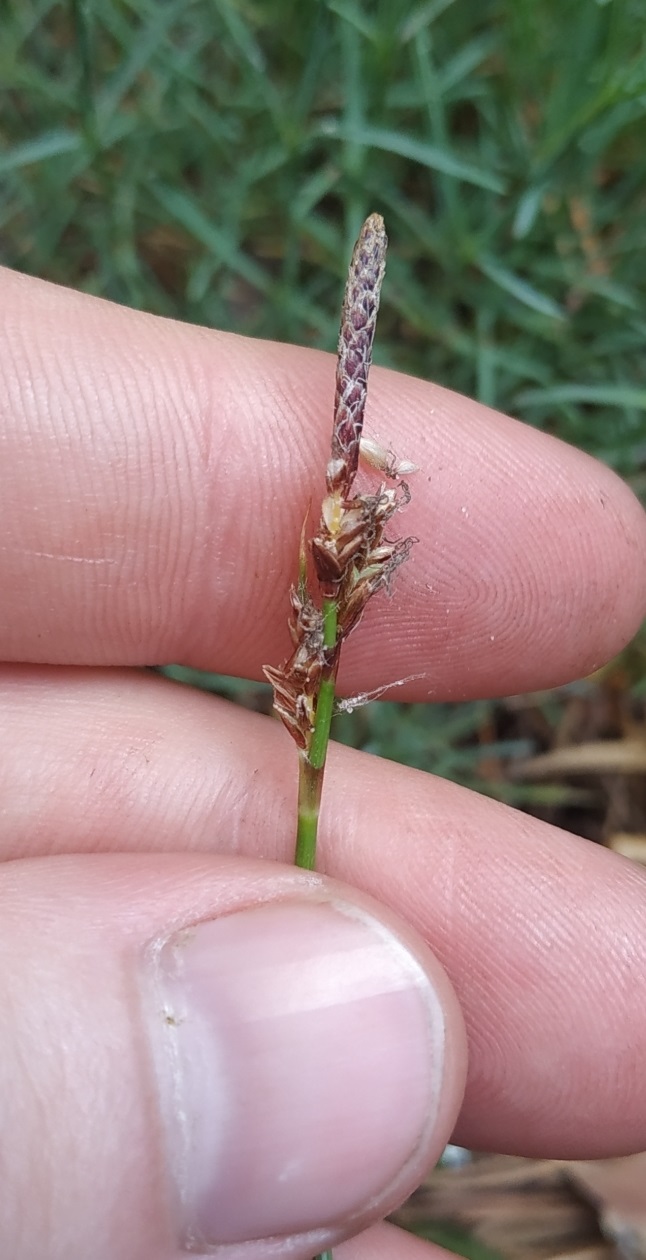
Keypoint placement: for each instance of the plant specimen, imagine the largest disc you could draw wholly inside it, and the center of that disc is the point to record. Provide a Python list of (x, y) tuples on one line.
[(350, 555)]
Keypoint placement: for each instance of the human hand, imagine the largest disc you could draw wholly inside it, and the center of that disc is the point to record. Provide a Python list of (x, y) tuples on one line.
[(154, 481)]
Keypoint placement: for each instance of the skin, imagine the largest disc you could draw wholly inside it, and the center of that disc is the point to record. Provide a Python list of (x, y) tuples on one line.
[(154, 481)]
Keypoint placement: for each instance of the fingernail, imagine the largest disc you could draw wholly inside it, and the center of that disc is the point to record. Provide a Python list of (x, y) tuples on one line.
[(301, 1067)]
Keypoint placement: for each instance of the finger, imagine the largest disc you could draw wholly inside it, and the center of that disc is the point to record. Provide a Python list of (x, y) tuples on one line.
[(209, 1053), (542, 934), (155, 478), (386, 1242)]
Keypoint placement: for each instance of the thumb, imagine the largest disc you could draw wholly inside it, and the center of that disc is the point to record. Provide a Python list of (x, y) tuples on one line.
[(212, 1053)]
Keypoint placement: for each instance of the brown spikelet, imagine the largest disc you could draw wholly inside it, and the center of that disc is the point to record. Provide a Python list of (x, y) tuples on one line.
[(356, 335)]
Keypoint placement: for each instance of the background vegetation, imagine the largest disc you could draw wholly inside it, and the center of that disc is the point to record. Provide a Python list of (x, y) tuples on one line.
[(213, 160)]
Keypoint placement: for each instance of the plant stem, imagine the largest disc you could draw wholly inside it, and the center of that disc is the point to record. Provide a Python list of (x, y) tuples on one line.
[(325, 701), (352, 559), (311, 764), (310, 782)]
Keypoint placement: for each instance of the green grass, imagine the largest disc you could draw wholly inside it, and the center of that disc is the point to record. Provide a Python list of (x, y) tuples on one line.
[(213, 160)]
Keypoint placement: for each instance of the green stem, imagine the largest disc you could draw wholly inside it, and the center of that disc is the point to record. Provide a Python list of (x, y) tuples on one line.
[(312, 764), (325, 698), (311, 767), (310, 783)]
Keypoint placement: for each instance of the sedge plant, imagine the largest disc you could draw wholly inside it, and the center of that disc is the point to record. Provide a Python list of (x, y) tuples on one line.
[(350, 556)]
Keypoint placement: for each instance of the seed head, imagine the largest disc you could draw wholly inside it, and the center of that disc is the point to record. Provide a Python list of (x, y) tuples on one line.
[(356, 335)]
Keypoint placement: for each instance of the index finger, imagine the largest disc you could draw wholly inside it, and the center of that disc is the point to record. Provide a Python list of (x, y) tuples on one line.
[(156, 476)]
